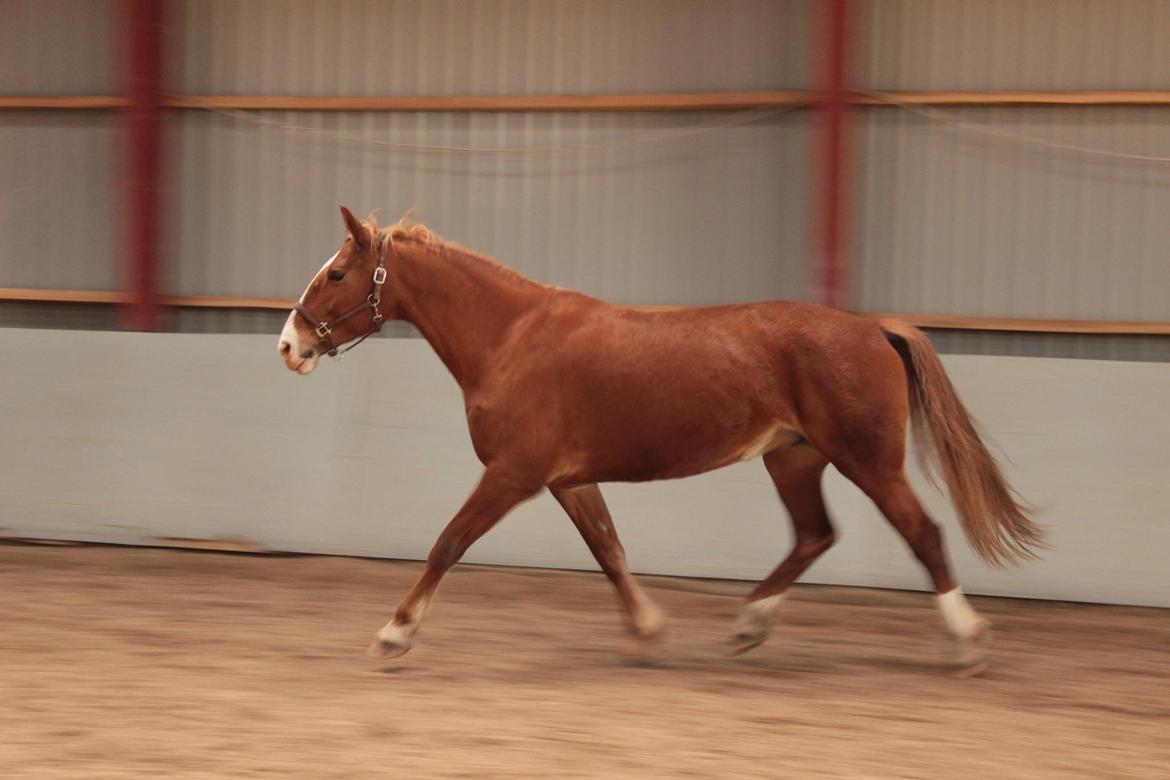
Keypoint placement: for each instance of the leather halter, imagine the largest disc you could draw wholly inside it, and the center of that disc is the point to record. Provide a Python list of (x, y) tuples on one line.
[(324, 330)]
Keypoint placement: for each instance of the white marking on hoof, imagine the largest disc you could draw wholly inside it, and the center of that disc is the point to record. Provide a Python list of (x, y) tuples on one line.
[(961, 619), (754, 623), (392, 641), (972, 632)]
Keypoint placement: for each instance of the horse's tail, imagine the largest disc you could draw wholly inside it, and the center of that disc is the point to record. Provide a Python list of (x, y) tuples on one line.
[(997, 525)]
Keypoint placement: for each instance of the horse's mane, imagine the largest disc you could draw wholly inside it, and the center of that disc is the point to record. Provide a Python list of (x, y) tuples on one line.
[(406, 229)]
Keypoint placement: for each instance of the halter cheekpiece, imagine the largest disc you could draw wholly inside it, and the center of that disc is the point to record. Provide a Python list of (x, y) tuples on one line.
[(324, 330)]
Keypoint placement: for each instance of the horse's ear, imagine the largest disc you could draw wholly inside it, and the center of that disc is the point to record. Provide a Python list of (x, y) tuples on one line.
[(355, 228)]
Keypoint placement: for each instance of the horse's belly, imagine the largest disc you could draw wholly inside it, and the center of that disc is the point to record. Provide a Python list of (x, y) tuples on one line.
[(667, 454)]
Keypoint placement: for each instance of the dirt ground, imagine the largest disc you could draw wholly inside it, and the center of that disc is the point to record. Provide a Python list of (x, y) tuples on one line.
[(119, 662)]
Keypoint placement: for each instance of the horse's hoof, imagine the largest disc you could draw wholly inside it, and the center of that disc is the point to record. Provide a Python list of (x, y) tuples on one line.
[(741, 641), (391, 642), (971, 667), (971, 653), (753, 625), (380, 648), (650, 632)]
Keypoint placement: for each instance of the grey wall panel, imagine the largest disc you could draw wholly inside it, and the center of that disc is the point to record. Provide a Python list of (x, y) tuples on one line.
[(944, 221), (210, 436), (57, 316), (226, 321), (57, 47), (700, 219), (264, 322), (954, 221), (435, 47), (1013, 44), (58, 206)]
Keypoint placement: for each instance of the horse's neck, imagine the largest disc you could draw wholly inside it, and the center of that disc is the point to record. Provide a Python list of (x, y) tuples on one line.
[(462, 305)]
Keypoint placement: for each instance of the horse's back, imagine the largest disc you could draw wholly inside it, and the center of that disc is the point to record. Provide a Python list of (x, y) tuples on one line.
[(647, 394), (779, 326)]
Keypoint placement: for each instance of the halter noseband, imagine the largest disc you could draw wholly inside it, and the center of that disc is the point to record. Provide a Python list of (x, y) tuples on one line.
[(324, 330)]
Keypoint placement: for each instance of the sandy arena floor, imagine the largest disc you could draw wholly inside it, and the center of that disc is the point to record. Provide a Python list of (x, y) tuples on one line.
[(120, 662)]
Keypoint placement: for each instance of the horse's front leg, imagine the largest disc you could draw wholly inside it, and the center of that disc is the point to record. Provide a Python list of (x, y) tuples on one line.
[(495, 495), (586, 508)]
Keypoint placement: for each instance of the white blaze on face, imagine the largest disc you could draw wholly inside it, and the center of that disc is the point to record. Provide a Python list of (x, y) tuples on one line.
[(289, 334)]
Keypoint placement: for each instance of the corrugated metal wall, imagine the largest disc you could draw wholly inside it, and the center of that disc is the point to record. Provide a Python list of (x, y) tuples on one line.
[(56, 47), (655, 224), (944, 220), (645, 223), (487, 47), (1013, 44), (58, 200), (957, 221)]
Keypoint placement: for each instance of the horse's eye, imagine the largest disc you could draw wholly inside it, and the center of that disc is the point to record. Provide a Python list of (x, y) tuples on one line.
[(336, 276)]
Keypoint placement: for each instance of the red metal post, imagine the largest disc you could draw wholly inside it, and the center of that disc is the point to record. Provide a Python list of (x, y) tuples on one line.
[(142, 23), (830, 176)]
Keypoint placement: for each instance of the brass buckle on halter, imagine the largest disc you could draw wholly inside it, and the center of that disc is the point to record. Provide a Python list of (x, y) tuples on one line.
[(324, 331), (373, 302), (380, 275)]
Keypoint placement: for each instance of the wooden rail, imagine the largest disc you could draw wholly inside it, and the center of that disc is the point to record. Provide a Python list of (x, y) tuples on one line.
[(25, 295), (62, 102), (107, 297), (687, 101), (1013, 98), (935, 321), (670, 101)]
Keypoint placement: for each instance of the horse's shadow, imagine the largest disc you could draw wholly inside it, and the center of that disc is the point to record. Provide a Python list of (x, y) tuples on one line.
[(573, 665)]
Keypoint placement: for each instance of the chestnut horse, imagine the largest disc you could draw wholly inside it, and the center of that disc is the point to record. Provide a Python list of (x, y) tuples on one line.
[(565, 391)]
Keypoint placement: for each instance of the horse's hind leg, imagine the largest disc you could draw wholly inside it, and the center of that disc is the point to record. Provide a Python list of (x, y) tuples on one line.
[(797, 472), (586, 508), (871, 454), (892, 494)]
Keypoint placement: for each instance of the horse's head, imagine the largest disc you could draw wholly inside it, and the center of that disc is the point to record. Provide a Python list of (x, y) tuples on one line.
[(342, 303)]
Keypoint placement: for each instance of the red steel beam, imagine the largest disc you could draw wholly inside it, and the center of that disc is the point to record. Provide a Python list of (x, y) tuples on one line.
[(829, 179), (142, 23)]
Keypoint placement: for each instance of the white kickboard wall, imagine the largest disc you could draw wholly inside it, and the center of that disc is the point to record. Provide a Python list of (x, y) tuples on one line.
[(123, 437)]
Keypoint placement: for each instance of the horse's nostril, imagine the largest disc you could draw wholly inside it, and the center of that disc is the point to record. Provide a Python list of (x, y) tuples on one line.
[(308, 353), (285, 348)]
